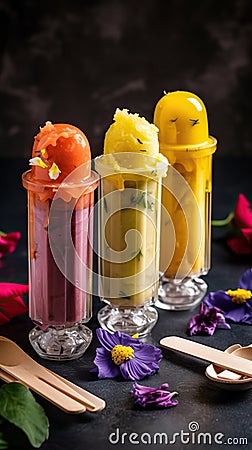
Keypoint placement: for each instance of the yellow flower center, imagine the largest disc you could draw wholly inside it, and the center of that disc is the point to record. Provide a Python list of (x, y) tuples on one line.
[(239, 296), (121, 353)]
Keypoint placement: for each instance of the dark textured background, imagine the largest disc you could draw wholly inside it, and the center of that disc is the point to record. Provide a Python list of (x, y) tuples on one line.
[(76, 61)]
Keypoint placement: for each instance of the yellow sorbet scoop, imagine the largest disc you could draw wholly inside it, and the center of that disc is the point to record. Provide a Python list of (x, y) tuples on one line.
[(131, 133)]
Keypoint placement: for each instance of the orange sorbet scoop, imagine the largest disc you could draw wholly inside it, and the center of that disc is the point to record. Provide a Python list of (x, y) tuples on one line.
[(58, 149)]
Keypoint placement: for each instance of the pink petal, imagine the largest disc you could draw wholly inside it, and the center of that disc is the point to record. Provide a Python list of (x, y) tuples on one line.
[(239, 245), (8, 290), (243, 213), (11, 304), (9, 242), (13, 307), (247, 233), (3, 319)]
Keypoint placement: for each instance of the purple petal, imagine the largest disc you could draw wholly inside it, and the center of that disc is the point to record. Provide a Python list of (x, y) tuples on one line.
[(219, 299), (106, 367), (206, 321), (139, 389), (132, 370), (107, 340), (241, 314), (153, 397), (222, 322), (247, 319), (125, 339), (144, 363), (245, 281), (197, 325), (148, 353)]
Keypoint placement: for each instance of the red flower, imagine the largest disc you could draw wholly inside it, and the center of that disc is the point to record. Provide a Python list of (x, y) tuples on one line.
[(243, 213), (8, 242), (242, 242), (11, 303)]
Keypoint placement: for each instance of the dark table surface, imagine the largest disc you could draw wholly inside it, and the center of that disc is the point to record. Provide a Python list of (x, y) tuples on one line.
[(213, 410)]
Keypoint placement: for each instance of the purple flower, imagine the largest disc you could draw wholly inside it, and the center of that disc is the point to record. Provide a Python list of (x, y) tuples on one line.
[(236, 305), (148, 397), (206, 321), (124, 355)]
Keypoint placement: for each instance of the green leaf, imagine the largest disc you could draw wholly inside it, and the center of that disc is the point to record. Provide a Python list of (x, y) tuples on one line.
[(3, 443), (19, 407)]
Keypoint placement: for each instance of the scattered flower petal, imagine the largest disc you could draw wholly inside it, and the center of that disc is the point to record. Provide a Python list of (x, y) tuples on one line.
[(206, 321), (126, 356), (240, 244), (8, 242), (245, 281), (11, 303), (54, 171), (148, 397), (242, 212), (236, 305), (239, 238), (37, 161)]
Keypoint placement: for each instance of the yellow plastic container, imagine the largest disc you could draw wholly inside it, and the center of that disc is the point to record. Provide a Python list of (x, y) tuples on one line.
[(186, 196)]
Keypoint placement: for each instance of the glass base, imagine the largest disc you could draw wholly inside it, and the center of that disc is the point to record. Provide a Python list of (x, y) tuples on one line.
[(137, 320), (61, 342), (180, 294)]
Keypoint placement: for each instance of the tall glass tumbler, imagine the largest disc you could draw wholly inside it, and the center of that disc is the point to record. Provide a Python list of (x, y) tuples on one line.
[(60, 233), (187, 198), (129, 210)]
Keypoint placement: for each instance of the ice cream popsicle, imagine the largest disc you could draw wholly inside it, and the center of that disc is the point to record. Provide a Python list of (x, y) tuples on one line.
[(133, 161), (58, 150), (184, 139)]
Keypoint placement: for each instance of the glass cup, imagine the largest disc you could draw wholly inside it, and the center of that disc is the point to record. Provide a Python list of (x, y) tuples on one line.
[(186, 236), (184, 140), (60, 231), (129, 210)]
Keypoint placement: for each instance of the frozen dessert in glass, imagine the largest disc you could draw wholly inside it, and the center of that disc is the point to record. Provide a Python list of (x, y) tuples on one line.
[(60, 187), (186, 195), (131, 171)]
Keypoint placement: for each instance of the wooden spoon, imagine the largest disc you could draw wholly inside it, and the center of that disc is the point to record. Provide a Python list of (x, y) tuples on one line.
[(226, 374), (244, 352), (64, 394), (227, 379), (222, 359)]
